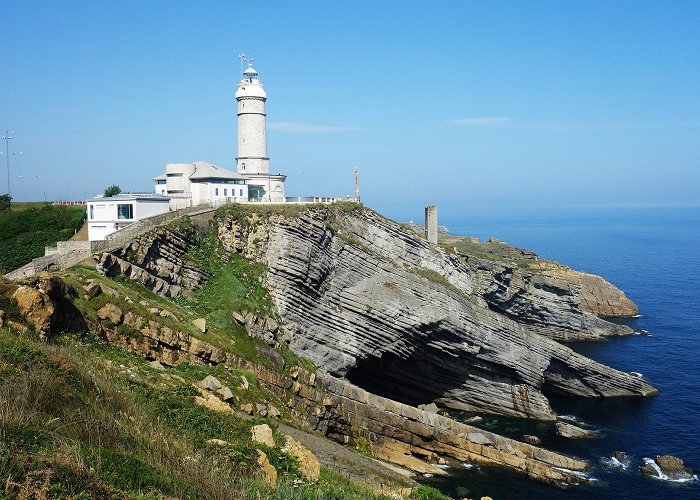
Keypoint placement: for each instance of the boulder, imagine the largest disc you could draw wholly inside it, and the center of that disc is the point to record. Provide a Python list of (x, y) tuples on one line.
[(36, 307), (309, 465), (474, 420), (201, 324), (108, 291), (155, 311), (110, 312), (570, 431), (2, 317), (620, 456), (430, 408), (529, 438), (262, 434), (238, 317), (209, 383), (268, 472), (261, 409), (93, 289), (213, 403), (672, 467), (156, 365), (273, 411), (247, 408), (167, 314), (225, 393), (244, 383)]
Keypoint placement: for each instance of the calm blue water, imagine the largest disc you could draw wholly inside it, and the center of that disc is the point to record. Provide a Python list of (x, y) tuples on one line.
[(654, 256)]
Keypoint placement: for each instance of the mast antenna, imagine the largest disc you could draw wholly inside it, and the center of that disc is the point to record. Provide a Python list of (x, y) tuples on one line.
[(242, 57), (7, 137)]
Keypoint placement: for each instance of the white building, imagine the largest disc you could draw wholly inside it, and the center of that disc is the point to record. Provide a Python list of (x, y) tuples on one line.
[(252, 160), (107, 215), (203, 183), (200, 183)]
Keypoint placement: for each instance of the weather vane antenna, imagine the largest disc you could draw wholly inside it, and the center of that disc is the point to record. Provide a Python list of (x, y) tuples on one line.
[(242, 57)]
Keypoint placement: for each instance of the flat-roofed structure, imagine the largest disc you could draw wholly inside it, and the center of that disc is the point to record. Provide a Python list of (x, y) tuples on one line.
[(106, 215)]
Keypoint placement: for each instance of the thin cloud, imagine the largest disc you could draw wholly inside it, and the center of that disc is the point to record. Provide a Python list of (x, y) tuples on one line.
[(475, 122), (305, 128)]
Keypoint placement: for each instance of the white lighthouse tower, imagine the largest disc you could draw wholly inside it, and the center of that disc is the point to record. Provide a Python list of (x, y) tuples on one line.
[(252, 160)]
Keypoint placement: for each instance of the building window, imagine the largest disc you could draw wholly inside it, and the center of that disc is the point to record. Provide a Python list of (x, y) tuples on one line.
[(92, 212), (241, 192), (216, 191), (225, 192), (125, 211), (243, 166)]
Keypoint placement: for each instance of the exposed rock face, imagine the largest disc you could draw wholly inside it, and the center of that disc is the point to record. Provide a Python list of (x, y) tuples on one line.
[(155, 260), (552, 299), (364, 298), (667, 467), (268, 472), (36, 307), (262, 434), (571, 431), (44, 303), (341, 411), (309, 465)]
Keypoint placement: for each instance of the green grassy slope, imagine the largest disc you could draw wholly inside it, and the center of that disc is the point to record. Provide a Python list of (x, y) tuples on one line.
[(28, 228)]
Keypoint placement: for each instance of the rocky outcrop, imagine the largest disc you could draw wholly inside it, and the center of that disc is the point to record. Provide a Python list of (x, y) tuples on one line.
[(156, 261), (309, 465), (337, 409), (36, 307), (667, 467), (45, 303), (571, 431), (553, 300), (367, 299)]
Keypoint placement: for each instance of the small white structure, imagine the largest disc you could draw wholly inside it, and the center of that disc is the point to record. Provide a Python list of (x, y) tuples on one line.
[(199, 183), (252, 160), (107, 215)]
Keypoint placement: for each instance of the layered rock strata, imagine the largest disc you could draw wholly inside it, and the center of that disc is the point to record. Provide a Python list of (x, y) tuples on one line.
[(156, 260), (396, 432), (367, 299)]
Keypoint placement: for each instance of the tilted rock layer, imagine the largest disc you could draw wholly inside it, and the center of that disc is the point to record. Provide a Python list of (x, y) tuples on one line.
[(365, 298)]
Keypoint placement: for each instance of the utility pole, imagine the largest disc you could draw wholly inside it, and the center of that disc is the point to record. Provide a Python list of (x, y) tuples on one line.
[(357, 185), (7, 137)]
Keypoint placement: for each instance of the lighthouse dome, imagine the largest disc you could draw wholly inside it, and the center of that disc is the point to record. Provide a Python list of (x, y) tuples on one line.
[(250, 71)]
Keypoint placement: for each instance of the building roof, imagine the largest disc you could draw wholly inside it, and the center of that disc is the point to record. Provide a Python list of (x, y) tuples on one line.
[(160, 177), (130, 197), (205, 170)]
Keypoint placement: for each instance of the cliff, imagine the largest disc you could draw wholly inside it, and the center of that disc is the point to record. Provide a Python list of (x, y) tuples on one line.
[(367, 299)]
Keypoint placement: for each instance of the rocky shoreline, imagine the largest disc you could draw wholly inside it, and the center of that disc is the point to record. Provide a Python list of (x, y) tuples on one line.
[(392, 322)]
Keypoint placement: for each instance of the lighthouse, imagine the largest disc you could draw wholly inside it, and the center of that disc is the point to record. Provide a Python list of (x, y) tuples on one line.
[(252, 139), (252, 160)]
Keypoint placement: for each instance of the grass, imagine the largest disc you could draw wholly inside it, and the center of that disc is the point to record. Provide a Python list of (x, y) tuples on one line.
[(75, 422)]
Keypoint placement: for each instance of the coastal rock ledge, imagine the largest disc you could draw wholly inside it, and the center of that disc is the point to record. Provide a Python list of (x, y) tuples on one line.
[(371, 301)]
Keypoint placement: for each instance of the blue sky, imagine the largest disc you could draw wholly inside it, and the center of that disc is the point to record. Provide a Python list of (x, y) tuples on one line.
[(470, 105)]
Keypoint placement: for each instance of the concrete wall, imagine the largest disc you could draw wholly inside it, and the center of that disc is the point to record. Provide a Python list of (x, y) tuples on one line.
[(431, 224)]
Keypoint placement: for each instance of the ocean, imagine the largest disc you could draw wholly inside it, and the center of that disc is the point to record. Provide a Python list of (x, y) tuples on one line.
[(653, 255)]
